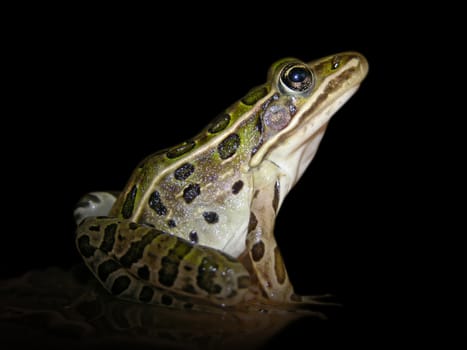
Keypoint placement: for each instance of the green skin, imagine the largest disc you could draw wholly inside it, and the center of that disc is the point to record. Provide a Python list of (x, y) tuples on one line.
[(194, 225)]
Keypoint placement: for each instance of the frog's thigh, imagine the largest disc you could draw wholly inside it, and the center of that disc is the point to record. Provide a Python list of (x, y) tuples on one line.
[(144, 264), (94, 204)]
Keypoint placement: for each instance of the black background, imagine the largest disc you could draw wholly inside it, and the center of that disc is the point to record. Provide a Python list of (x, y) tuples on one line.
[(94, 92)]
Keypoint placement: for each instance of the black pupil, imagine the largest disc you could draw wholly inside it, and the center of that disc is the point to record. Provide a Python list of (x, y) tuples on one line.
[(298, 74)]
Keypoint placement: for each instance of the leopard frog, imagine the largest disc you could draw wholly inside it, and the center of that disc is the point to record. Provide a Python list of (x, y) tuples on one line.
[(194, 225)]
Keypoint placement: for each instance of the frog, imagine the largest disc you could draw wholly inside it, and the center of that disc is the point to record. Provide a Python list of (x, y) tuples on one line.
[(194, 225)]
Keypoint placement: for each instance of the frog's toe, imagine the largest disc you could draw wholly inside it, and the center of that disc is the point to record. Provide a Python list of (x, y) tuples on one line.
[(322, 299), (94, 204)]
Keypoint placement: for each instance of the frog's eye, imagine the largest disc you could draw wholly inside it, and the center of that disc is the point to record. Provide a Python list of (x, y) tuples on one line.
[(297, 77)]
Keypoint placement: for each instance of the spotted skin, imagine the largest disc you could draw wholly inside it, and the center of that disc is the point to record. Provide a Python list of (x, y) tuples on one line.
[(229, 146), (181, 149), (156, 204), (193, 237), (275, 200), (219, 123), (237, 187), (148, 261), (183, 172), (129, 203), (255, 95), (191, 192), (173, 186), (194, 226), (211, 217)]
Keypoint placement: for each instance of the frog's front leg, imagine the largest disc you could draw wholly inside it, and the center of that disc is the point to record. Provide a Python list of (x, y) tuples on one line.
[(265, 258), (141, 263)]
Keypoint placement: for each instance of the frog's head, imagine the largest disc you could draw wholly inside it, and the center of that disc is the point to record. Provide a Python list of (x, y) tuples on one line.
[(305, 96)]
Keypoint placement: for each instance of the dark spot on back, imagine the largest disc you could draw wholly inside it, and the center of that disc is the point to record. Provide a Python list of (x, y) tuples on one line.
[(184, 171), (257, 251), (180, 149), (228, 146), (191, 192), (128, 205), (255, 95), (211, 217), (94, 228), (219, 123), (133, 226), (237, 187), (156, 204), (171, 223), (120, 285)]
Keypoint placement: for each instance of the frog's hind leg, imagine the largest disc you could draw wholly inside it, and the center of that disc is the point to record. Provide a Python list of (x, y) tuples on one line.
[(94, 204), (122, 283), (140, 263), (95, 239)]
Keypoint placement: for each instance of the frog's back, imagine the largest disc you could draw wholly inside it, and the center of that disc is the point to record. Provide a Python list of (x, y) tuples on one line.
[(200, 190)]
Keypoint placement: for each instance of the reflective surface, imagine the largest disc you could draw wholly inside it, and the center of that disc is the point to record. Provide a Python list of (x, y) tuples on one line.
[(69, 309)]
